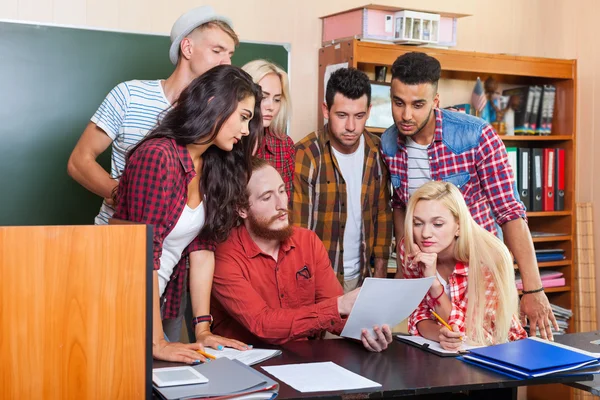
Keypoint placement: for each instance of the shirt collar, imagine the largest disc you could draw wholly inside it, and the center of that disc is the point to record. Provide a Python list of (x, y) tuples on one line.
[(461, 269), (437, 133), (184, 156), (251, 248), (268, 142)]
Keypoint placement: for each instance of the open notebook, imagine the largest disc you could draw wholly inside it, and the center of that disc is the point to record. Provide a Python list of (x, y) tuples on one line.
[(248, 357), (433, 347)]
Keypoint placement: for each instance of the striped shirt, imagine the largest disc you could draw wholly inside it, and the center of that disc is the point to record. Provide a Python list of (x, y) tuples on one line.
[(320, 200), (127, 115), (482, 173), (418, 165)]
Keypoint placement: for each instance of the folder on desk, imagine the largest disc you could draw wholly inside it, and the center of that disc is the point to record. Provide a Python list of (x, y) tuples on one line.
[(529, 358), (537, 158), (230, 378), (559, 179), (523, 176)]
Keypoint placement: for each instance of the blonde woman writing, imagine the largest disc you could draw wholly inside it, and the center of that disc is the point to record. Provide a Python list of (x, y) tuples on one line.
[(475, 287)]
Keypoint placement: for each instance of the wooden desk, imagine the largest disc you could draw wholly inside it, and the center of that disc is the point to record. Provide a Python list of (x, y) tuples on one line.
[(402, 370), (582, 341)]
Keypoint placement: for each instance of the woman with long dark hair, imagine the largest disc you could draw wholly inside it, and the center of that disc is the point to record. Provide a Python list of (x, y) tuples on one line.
[(187, 178)]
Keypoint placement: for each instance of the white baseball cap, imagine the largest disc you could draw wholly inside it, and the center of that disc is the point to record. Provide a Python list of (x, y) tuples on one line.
[(187, 23)]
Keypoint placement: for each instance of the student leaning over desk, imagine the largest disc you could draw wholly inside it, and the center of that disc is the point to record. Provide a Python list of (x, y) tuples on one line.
[(186, 178), (273, 281), (200, 40), (277, 147), (475, 287), (429, 144)]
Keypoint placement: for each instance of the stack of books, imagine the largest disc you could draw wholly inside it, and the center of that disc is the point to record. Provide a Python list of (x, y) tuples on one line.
[(550, 278)]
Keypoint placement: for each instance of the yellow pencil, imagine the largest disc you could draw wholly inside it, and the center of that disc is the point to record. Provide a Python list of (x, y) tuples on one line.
[(444, 322), (205, 354)]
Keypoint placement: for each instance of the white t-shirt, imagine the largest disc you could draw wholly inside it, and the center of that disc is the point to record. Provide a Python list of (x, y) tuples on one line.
[(418, 165), (187, 228), (127, 114), (445, 284), (352, 166)]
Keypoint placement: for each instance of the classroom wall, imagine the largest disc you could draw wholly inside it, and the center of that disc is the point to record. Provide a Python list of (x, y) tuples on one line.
[(545, 28)]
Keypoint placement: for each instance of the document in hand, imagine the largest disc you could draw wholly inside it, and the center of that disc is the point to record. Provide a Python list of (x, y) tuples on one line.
[(226, 378), (248, 357), (385, 301), (529, 358)]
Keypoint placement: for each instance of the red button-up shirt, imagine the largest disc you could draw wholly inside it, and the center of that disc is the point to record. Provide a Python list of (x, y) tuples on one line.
[(281, 154), (255, 297), (153, 190)]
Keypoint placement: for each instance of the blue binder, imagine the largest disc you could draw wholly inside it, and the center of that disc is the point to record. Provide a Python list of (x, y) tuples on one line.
[(528, 358)]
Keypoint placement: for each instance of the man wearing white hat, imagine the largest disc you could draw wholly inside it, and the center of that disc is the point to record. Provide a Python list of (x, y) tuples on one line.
[(200, 40)]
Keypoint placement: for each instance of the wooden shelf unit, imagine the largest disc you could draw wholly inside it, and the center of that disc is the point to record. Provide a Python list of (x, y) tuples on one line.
[(506, 69)]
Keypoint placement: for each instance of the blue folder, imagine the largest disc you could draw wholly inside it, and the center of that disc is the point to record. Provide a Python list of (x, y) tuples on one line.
[(528, 358)]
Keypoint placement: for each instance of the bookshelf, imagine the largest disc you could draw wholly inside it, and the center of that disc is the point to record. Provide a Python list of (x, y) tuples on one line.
[(508, 70)]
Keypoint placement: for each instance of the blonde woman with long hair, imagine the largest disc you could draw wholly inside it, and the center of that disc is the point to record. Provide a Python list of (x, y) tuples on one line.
[(475, 289), (277, 147)]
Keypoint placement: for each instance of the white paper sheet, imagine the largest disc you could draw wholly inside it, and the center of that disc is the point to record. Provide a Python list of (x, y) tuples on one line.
[(435, 345), (385, 301), (248, 357), (319, 377)]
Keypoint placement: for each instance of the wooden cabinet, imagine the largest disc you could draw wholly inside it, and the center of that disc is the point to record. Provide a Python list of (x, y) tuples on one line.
[(507, 70)]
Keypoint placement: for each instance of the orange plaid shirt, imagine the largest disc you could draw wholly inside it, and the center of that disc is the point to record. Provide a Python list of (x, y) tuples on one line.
[(458, 297), (319, 199)]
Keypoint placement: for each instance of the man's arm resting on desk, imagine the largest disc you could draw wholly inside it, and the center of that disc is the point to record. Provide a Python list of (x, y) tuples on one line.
[(535, 305), (84, 168)]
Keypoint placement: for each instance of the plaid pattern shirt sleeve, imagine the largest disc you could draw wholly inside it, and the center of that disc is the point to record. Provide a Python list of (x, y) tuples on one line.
[(153, 191), (384, 228), (394, 164), (144, 193), (302, 204), (281, 154), (497, 179)]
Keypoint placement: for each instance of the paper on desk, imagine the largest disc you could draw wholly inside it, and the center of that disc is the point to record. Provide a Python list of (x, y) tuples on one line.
[(319, 377), (434, 346), (385, 301)]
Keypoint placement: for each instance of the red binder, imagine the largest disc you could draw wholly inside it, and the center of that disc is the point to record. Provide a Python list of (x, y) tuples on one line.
[(548, 180), (559, 180)]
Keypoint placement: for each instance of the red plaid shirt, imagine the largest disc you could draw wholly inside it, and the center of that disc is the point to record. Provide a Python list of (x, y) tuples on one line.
[(153, 191), (458, 297), (281, 154), (488, 191)]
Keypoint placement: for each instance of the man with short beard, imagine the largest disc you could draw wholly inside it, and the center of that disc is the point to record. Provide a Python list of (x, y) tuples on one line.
[(273, 282)]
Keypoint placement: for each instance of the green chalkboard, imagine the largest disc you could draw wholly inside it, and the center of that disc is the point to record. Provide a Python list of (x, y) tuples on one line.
[(52, 80)]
